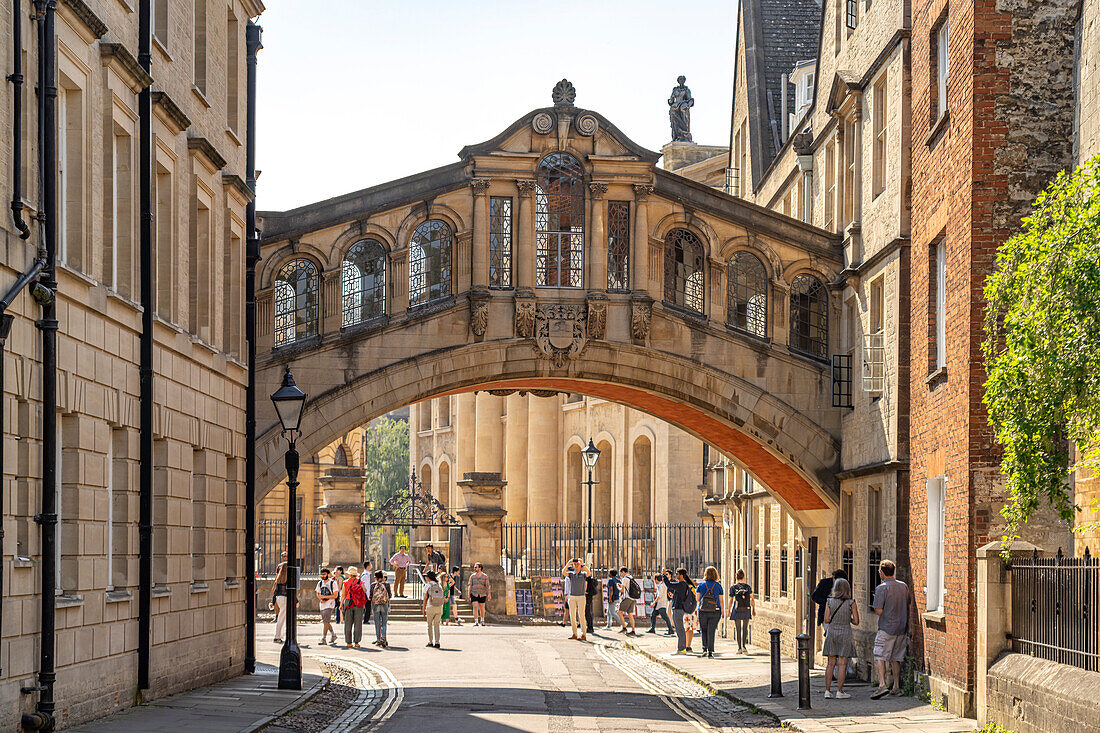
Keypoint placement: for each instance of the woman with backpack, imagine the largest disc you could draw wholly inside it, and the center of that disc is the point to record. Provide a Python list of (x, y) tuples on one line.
[(840, 613), (683, 607), (355, 608), (380, 599), (432, 607), (744, 608), (711, 608)]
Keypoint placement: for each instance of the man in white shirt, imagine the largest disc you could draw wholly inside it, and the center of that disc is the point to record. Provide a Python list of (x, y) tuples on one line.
[(400, 562), (327, 593), (660, 607)]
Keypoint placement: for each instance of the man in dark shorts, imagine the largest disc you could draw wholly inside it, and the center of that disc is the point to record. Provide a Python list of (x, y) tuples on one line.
[(629, 601), (479, 594)]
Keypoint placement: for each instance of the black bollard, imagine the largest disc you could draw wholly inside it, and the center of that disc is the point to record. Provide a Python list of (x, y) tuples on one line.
[(777, 678), (803, 642)]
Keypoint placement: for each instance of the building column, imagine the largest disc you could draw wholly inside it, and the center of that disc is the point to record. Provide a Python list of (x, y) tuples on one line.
[(525, 240), (597, 238), (465, 434), (542, 463), (640, 238), (342, 489), (482, 494), (480, 257), (490, 433), (515, 470)]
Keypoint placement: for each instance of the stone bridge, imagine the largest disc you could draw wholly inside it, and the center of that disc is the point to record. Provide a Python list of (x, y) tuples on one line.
[(557, 256)]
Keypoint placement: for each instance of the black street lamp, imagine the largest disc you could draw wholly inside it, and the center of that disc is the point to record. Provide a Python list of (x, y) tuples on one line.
[(590, 455), (289, 402)]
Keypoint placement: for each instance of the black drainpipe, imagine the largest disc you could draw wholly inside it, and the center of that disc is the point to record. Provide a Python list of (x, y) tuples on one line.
[(145, 365), (252, 256), (16, 78), (43, 718)]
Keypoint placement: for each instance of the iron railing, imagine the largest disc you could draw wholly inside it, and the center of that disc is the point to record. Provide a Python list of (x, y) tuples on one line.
[(1056, 609), (542, 550), (271, 541)]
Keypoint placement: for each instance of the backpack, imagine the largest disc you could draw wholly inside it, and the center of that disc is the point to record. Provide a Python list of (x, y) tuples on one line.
[(690, 603), (634, 590), (592, 587), (435, 594), (709, 601), (380, 594), (741, 595), (356, 594)]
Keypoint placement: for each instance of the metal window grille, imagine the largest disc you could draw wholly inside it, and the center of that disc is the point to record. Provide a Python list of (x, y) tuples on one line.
[(756, 570), (1054, 608), (767, 575), (364, 282), (733, 181), (559, 222), (842, 380), (847, 563), (747, 296), (783, 569), (874, 557), (684, 270), (852, 13), (295, 302), (430, 262), (874, 362), (809, 317), (797, 562), (500, 242), (271, 542), (618, 245)]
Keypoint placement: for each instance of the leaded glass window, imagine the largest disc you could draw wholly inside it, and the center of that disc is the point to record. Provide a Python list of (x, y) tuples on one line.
[(500, 242), (684, 270), (747, 302), (810, 316), (618, 245), (430, 262), (559, 222), (295, 302), (364, 282)]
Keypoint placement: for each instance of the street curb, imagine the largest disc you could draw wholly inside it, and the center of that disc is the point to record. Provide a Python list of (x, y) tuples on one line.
[(307, 695), (784, 722)]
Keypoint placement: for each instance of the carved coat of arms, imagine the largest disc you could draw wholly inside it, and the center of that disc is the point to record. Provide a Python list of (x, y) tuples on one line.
[(560, 333)]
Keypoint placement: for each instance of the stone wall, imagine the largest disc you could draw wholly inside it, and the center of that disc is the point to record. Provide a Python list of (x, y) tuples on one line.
[(1030, 695)]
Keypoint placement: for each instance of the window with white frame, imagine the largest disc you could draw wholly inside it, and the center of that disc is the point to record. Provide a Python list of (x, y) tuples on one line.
[(874, 342), (940, 313), (934, 589), (941, 70), (878, 177)]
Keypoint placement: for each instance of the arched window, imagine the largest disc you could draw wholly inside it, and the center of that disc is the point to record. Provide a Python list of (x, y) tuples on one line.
[(810, 316), (747, 303), (341, 457), (364, 282), (559, 222), (684, 270), (295, 302), (430, 262)]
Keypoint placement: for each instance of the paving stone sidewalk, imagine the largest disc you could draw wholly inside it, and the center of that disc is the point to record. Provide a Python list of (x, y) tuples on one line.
[(748, 679), (240, 705)]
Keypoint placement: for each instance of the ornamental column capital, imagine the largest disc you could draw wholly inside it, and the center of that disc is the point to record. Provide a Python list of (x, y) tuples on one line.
[(526, 187)]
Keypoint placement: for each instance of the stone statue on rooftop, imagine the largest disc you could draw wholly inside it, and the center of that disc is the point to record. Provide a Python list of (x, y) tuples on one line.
[(679, 111)]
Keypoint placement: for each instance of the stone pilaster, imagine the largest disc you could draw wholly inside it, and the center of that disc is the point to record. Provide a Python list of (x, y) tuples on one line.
[(480, 189), (342, 510), (483, 495)]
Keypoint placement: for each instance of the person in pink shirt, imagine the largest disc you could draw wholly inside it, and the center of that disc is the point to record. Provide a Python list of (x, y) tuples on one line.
[(400, 561)]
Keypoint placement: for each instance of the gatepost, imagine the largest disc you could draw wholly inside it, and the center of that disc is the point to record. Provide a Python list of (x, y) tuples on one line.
[(483, 496)]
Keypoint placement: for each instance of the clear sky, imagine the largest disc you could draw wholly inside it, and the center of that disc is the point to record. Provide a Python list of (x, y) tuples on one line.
[(353, 93)]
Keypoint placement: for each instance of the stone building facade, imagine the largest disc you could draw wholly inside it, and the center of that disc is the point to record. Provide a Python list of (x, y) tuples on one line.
[(198, 81)]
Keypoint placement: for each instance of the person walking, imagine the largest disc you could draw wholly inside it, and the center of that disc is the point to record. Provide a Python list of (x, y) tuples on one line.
[(447, 582), (840, 614), (355, 608), (691, 618), (683, 606), (891, 640), (591, 590), (339, 577), (632, 592), (660, 606), (400, 562), (278, 599), (380, 602), (614, 592), (711, 608), (744, 608), (480, 593), (327, 592), (456, 594), (434, 560), (366, 577), (432, 607), (576, 578)]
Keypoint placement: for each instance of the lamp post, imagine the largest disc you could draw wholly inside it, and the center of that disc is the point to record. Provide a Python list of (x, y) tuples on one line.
[(289, 402), (589, 455)]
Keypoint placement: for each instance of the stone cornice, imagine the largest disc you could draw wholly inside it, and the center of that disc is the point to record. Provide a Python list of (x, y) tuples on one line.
[(873, 468), (87, 16), (234, 181), (119, 57), (202, 145), (171, 110)]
